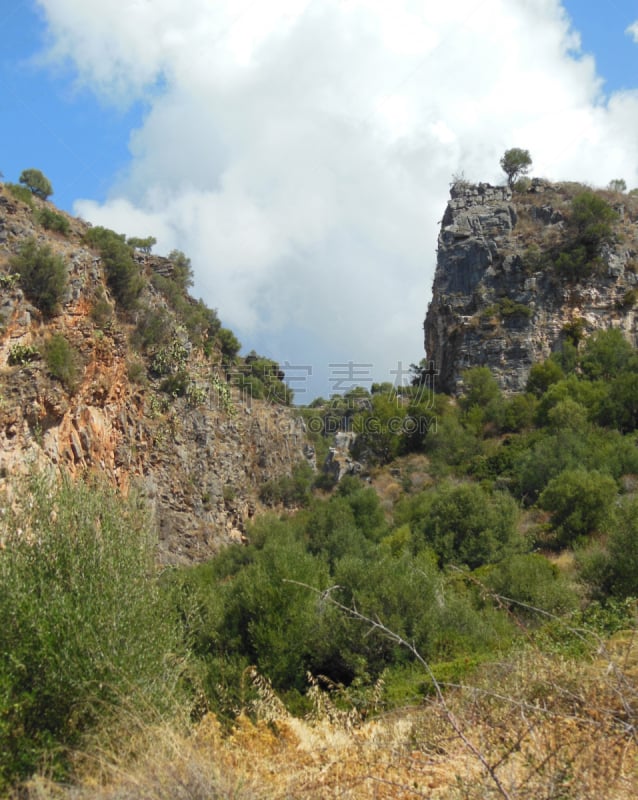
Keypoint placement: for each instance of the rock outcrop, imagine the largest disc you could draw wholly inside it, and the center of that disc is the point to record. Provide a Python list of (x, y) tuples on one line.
[(497, 300), (199, 458)]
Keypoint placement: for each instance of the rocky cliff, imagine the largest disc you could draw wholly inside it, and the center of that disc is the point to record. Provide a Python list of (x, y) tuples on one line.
[(499, 297), (198, 454)]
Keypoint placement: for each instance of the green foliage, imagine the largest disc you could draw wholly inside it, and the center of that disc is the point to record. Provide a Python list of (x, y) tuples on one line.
[(515, 163), (171, 359), (37, 183), (291, 491), (464, 524), (543, 375), (229, 344), (21, 354), (20, 193), (591, 225), (144, 244), (182, 269), (510, 308), (479, 388), (154, 329), (84, 626), (123, 274), (528, 582), (53, 221), (622, 574), (606, 354), (580, 502), (593, 218), (101, 311), (617, 185), (63, 361), (43, 275), (261, 378)]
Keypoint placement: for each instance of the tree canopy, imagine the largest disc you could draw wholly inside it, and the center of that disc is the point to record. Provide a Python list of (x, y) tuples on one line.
[(37, 183), (515, 163)]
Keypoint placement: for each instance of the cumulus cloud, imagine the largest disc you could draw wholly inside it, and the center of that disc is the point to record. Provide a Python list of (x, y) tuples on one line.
[(300, 151), (632, 30)]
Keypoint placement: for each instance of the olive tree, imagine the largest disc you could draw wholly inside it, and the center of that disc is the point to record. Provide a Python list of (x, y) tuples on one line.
[(515, 162), (37, 183)]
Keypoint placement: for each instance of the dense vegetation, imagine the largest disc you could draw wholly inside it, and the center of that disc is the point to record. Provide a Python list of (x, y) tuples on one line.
[(457, 562)]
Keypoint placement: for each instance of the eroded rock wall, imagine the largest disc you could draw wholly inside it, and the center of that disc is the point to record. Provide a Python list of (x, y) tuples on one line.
[(496, 298)]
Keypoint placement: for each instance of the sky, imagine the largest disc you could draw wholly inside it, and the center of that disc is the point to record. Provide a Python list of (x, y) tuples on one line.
[(300, 151)]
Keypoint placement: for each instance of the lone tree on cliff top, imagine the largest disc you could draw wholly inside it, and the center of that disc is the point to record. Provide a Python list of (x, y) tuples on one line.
[(37, 182), (515, 162)]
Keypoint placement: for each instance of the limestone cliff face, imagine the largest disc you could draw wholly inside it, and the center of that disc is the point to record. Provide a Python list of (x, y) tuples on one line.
[(199, 459), (497, 300)]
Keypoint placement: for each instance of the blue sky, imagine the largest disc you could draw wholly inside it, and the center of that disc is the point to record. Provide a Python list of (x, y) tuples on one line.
[(300, 151), (48, 122)]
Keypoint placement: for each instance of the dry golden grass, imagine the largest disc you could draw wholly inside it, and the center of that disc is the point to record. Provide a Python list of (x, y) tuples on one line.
[(545, 727)]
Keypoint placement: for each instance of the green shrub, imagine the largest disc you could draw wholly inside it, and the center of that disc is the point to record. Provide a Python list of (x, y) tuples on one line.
[(43, 275), (606, 354), (123, 274), (531, 582), (20, 193), (229, 344), (591, 225), (53, 221), (84, 626), (63, 361), (465, 524), (543, 375), (101, 311), (21, 354), (290, 490), (580, 502), (136, 371), (154, 329), (145, 244), (623, 550)]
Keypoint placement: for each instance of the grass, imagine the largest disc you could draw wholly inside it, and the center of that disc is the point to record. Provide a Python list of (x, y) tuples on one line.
[(546, 726)]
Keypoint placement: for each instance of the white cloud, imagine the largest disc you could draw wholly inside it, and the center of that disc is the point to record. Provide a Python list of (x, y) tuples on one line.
[(299, 151), (632, 30)]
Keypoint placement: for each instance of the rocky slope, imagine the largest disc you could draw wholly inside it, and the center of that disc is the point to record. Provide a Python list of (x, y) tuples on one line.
[(199, 458), (498, 299)]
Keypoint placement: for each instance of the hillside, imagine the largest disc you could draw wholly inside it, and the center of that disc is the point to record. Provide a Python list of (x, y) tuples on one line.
[(136, 388), (519, 273), (448, 611)]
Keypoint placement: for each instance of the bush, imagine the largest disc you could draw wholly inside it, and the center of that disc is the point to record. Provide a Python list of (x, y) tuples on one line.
[(464, 524), (606, 355), (21, 193), (623, 551), (531, 580), (21, 354), (580, 502), (53, 221), (63, 361), (37, 183), (84, 626), (123, 274), (229, 344), (43, 276)]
